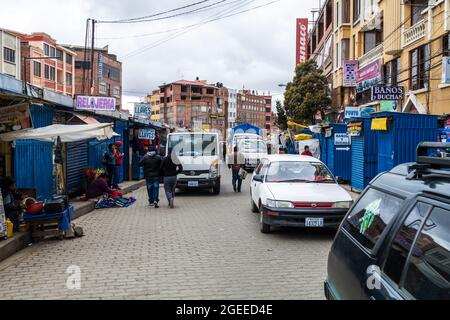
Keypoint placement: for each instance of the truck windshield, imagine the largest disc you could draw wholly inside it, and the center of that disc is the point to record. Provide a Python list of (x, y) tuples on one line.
[(193, 145), (252, 146)]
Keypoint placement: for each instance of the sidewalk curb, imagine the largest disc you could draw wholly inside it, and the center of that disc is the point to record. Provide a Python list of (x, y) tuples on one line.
[(22, 239)]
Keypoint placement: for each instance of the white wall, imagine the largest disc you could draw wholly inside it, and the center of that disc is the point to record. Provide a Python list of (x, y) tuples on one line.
[(12, 42)]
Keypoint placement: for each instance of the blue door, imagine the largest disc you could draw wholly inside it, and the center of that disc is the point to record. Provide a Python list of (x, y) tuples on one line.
[(385, 152)]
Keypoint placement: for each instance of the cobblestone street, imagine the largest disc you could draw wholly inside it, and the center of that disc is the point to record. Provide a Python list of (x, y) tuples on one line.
[(208, 247)]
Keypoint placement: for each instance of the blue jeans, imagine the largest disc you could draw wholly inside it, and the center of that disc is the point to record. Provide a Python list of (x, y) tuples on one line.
[(116, 177), (236, 178), (152, 189), (170, 184)]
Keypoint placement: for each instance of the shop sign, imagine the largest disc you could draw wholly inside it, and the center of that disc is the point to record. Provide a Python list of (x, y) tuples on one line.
[(147, 134), (34, 91), (302, 41), (15, 117), (341, 139), (328, 132), (354, 131), (446, 70), (368, 76), (95, 103), (350, 73), (142, 110), (366, 111), (100, 66), (352, 112), (387, 93), (388, 106)]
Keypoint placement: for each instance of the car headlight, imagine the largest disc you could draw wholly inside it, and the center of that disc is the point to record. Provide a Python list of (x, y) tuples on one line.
[(214, 169), (279, 204), (343, 204)]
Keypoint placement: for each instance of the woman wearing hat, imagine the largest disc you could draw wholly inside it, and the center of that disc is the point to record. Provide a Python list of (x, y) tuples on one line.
[(119, 159)]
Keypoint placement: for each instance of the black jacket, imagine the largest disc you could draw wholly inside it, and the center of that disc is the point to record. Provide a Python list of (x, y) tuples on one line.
[(152, 164), (169, 168)]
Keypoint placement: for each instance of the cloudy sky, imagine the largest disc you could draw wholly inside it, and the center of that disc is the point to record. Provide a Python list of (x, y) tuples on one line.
[(255, 49)]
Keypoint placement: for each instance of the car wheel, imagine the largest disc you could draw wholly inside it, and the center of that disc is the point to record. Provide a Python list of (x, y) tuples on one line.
[(216, 189), (264, 227), (253, 205)]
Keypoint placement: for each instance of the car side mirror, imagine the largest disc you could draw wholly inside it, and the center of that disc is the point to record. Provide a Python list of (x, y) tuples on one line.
[(339, 180), (258, 177)]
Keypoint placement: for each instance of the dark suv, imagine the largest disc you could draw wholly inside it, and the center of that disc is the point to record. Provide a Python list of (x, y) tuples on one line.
[(394, 243)]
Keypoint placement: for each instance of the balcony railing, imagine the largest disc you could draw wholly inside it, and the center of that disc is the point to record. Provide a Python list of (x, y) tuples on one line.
[(413, 34), (373, 54)]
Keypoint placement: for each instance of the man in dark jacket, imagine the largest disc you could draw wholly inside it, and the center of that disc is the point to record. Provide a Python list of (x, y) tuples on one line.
[(236, 163), (152, 164)]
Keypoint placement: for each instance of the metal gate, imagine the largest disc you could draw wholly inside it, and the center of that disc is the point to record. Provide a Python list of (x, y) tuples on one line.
[(76, 161)]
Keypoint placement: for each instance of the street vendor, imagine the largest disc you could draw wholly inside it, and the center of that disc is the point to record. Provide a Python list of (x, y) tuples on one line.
[(99, 187), (11, 201)]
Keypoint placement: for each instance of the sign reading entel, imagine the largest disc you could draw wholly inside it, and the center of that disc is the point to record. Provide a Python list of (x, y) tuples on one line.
[(302, 41)]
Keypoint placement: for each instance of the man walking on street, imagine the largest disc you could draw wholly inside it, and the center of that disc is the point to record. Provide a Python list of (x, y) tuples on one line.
[(170, 168), (152, 164), (236, 163)]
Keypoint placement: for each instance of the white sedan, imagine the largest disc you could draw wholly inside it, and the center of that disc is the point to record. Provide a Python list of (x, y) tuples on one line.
[(297, 191)]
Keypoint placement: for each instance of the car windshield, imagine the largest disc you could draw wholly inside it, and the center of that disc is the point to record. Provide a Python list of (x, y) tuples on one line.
[(193, 145), (252, 146), (299, 171)]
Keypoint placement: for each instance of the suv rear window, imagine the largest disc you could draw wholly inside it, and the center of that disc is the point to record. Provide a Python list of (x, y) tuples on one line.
[(370, 216)]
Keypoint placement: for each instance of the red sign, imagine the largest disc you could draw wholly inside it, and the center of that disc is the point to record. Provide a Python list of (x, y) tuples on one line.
[(302, 41)]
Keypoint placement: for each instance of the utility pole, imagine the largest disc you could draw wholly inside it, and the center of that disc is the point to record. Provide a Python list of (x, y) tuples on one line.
[(92, 55)]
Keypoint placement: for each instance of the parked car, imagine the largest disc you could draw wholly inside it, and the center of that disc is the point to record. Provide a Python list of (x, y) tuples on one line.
[(297, 191), (198, 152), (394, 243)]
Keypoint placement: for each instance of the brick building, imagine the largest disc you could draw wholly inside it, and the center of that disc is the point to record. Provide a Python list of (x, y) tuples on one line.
[(254, 108), (55, 74), (154, 100), (185, 103), (107, 69)]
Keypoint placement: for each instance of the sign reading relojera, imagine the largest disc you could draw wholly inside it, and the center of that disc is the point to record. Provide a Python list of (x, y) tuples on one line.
[(95, 103), (387, 93)]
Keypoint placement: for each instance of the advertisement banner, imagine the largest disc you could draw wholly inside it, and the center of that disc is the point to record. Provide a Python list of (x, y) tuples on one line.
[(100, 66), (388, 106), (302, 41), (328, 132), (350, 73), (342, 139), (387, 93), (366, 111), (368, 76), (147, 134), (95, 103), (352, 112), (15, 117), (354, 130), (142, 110)]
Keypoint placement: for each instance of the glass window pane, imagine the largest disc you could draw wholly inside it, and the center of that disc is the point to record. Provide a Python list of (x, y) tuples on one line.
[(428, 273)]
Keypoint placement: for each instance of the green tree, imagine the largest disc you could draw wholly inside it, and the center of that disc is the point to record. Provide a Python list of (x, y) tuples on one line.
[(281, 120), (306, 93)]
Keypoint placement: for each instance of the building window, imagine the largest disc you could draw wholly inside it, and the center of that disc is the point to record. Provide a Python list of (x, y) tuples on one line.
[(59, 54), (417, 6), (49, 50), (420, 66), (181, 109), (345, 11), (102, 88), (37, 69), (86, 65), (345, 50), (69, 58), (446, 45), (68, 79), (372, 39), (356, 10), (49, 73), (355, 54), (117, 92), (392, 72), (9, 55)]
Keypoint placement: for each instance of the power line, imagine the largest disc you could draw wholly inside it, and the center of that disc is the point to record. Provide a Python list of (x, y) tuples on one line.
[(156, 14), (160, 42)]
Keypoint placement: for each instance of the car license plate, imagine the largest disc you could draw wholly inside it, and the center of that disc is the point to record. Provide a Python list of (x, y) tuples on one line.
[(193, 184), (314, 222)]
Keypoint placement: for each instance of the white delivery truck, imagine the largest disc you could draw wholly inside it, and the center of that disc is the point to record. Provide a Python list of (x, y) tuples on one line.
[(199, 154)]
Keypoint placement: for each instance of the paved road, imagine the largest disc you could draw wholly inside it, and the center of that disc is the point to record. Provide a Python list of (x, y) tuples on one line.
[(208, 247)]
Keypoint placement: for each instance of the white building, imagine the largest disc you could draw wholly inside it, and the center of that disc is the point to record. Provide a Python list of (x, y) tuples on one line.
[(232, 107), (10, 63)]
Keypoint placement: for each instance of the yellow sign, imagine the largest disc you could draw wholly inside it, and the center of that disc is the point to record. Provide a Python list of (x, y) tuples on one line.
[(206, 127), (379, 124)]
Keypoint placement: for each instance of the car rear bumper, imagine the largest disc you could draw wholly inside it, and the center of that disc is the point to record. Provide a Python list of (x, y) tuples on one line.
[(296, 217), (183, 183)]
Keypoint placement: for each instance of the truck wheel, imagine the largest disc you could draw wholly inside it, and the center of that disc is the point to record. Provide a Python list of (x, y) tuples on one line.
[(216, 189), (264, 227)]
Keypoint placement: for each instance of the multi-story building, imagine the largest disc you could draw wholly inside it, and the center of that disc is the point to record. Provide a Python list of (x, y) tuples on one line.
[(321, 42), (219, 119), (232, 107), (269, 113), (10, 61), (107, 73), (56, 73), (394, 44), (154, 100), (252, 108), (189, 104)]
